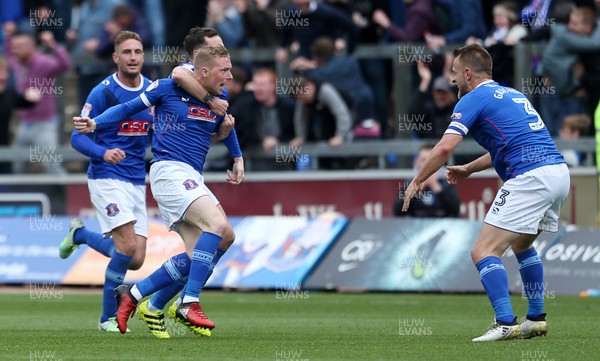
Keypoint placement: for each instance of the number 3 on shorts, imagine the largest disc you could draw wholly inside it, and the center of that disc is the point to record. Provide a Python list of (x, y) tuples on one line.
[(502, 197)]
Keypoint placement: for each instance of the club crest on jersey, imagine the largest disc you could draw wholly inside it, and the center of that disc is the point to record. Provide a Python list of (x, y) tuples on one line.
[(190, 184), (201, 113), (456, 116), (152, 86), (132, 128), (112, 210)]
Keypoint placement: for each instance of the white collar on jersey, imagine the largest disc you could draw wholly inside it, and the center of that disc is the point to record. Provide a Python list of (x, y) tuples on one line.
[(484, 82), (137, 88)]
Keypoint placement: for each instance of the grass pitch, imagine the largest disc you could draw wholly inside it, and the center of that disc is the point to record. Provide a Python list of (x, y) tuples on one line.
[(61, 325)]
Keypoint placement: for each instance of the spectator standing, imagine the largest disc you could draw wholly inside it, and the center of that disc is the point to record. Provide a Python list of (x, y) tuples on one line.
[(264, 119), (226, 17), (506, 28), (84, 35), (39, 125), (344, 73), (123, 18), (260, 22), (436, 109), (420, 19), (466, 20), (573, 127), (306, 20), (10, 99), (320, 114), (559, 59)]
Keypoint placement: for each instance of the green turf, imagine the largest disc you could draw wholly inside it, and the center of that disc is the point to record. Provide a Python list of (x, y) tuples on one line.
[(315, 326)]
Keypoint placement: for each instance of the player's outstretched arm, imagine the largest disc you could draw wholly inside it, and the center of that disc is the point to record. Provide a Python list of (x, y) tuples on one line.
[(111, 116), (456, 172), (184, 78), (84, 125), (437, 158)]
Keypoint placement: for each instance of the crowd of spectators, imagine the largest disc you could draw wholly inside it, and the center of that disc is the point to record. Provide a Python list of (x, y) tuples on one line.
[(314, 88)]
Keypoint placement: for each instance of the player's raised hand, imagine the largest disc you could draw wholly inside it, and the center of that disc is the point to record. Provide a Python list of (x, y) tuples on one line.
[(456, 172), (424, 71), (84, 125), (237, 176), (114, 156), (411, 192), (219, 106), (47, 38)]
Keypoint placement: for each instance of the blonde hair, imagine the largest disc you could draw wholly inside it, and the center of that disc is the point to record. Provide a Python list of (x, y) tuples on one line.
[(209, 54)]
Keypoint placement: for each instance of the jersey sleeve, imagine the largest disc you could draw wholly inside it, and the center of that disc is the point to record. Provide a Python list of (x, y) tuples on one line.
[(232, 144), (151, 96), (224, 94), (83, 143), (463, 117), (188, 66)]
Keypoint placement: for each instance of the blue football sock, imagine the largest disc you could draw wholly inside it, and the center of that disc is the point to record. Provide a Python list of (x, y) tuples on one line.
[(201, 261), (495, 282), (114, 276), (163, 296), (532, 275), (214, 262), (94, 240), (171, 270)]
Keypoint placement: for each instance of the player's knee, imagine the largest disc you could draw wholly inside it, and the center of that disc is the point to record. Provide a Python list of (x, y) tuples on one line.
[(137, 262), (518, 247), (125, 245), (127, 248), (219, 226), (228, 238), (476, 254)]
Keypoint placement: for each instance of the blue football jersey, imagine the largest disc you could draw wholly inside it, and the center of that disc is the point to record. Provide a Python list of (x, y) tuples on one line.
[(503, 121), (129, 134), (183, 125)]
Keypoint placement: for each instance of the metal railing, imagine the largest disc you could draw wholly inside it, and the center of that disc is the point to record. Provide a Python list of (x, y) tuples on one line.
[(381, 149)]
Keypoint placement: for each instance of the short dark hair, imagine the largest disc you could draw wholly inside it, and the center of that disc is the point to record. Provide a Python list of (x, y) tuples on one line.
[(239, 74), (475, 57), (196, 38), (121, 10), (323, 48)]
